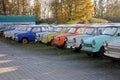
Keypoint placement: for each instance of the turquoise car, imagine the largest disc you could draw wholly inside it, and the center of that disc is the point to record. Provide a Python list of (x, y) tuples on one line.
[(94, 46)]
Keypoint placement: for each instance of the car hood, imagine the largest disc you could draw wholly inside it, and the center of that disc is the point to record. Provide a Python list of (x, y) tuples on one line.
[(77, 36), (115, 43), (99, 37), (19, 32), (66, 34), (22, 33), (41, 33), (47, 33)]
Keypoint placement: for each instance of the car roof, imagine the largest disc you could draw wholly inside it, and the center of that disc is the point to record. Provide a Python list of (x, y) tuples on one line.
[(70, 25), (38, 26)]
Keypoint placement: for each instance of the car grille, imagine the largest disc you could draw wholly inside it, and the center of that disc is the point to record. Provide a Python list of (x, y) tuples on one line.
[(113, 49), (70, 41), (87, 45)]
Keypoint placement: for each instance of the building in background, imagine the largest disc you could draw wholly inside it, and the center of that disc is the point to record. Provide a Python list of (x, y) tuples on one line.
[(16, 20)]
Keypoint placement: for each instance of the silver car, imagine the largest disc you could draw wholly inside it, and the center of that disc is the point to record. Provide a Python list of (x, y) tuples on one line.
[(112, 49), (19, 28)]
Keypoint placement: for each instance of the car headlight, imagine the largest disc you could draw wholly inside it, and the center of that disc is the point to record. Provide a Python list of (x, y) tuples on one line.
[(82, 41), (105, 44), (74, 40), (16, 37), (39, 35), (93, 42), (66, 39), (58, 38)]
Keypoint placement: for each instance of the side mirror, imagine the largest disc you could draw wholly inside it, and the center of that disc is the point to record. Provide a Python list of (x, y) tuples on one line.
[(118, 34)]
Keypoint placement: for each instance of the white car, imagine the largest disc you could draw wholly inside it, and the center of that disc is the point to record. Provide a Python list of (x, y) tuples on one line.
[(112, 49), (19, 28)]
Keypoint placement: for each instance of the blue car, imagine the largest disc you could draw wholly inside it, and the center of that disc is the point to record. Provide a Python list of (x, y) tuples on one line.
[(29, 36)]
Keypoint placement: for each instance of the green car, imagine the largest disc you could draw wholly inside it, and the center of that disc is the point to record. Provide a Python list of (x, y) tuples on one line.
[(94, 46)]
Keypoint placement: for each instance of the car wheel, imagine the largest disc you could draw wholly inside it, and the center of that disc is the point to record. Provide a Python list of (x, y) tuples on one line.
[(95, 55), (64, 45), (51, 42), (78, 49), (101, 52), (24, 41), (115, 60), (88, 54)]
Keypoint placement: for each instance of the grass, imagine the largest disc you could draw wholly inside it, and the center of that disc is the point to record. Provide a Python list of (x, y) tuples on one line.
[(37, 47), (98, 20), (92, 20)]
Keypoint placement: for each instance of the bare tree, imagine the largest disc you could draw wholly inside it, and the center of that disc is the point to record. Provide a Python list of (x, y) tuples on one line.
[(4, 7)]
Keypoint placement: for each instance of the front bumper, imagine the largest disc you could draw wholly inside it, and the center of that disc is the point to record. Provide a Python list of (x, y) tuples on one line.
[(72, 45), (37, 39), (88, 49), (112, 54), (13, 37)]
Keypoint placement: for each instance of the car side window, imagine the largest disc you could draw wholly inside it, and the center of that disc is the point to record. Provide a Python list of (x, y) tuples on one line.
[(89, 31), (43, 29), (80, 30), (46, 28), (66, 30), (100, 30), (35, 29)]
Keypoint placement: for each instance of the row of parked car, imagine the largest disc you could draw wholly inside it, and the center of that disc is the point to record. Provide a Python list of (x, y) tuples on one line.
[(94, 39)]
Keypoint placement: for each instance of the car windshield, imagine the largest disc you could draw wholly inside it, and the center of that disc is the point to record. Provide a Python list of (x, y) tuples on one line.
[(100, 30), (36, 29), (24, 29), (109, 31), (66, 30), (57, 29), (72, 30), (51, 29), (89, 31), (17, 28), (28, 29)]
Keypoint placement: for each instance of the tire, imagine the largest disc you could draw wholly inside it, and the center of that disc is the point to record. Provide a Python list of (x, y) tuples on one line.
[(78, 49), (51, 43), (24, 41), (115, 60), (88, 54), (61, 46), (101, 52), (92, 54), (64, 45)]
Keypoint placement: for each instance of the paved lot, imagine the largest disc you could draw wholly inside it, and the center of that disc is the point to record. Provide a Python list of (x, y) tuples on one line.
[(24, 64)]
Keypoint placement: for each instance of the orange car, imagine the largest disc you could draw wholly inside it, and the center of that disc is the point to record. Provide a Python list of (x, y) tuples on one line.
[(60, 40)]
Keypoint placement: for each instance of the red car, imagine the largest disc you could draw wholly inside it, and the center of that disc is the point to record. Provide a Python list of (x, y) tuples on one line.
[(60, 40)]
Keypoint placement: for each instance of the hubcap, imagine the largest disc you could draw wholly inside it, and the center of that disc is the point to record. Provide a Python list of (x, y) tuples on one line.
[(24, 41)]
